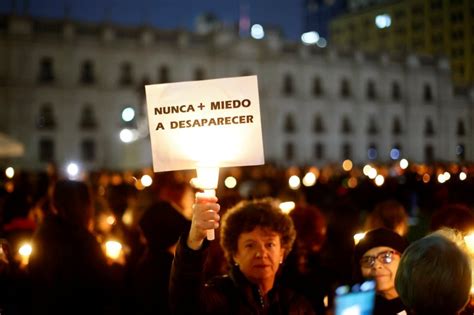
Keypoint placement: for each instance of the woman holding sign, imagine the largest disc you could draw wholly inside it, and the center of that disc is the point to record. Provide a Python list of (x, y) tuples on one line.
[(256, 237)]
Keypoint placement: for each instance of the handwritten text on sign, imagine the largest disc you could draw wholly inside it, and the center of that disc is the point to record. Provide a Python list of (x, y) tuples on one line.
[(205, 123)]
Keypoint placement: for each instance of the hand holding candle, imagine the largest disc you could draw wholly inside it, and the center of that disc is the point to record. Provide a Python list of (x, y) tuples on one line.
[(205, 217)]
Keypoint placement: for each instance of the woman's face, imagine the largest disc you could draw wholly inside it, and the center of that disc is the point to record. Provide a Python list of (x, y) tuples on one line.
[(259, 254), (383, 269)]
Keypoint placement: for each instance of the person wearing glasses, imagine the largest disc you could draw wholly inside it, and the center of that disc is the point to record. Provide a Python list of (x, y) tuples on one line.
[(376, 257)]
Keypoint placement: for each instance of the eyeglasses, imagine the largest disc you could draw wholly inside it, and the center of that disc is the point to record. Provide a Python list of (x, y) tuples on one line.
[(385, 258)]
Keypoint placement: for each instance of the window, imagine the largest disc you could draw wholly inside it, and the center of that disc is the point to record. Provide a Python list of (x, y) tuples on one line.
[(46, 70), (289, 151), (199, 74), (319, 151), (289, 124), (318, 124), (288, 88), (396, 92), (427, 93), (317, 87), (88, 150), (87, 72), (396, 126), (460, 152), (429, 128), (372, 151), (46, 150), (429, 153), (346, 126), (372, 129), (460, 130), (371, 92), (346, 151), (126, 77), (46, 120), (87, 119), (345, 88), (163, 74)]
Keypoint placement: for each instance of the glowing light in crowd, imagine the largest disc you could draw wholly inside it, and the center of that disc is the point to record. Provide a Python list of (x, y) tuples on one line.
[(25, 251), (469, 240), (347, 165), (287, 206), (10, 172), (426, 178), (379, 180), (230, 182), (366, 169), (110, 220), (113, 249), (383, 21), (72, 169), (394, 154), (127, 217), (358, 237), (352, 182), (294, 182), (403, 164), (462, 176), (309, 179), (146, 180), (257, 32), (310, 38), (128, 114), (126, 135), (372, 173), (447, 176), (322, 42)]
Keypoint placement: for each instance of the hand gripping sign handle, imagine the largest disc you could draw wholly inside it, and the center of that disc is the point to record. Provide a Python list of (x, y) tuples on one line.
[(207, 178)]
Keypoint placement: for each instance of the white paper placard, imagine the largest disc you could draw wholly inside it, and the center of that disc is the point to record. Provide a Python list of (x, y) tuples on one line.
[(205, 123)]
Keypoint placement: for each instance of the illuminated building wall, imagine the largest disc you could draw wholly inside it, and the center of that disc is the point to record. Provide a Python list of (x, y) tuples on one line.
[(434, 27), (63, 86)]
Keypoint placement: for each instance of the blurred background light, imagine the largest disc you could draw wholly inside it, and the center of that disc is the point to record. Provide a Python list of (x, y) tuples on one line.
[(128, 114), (257, 31), (310, 38), (10, 172), (383, 21)]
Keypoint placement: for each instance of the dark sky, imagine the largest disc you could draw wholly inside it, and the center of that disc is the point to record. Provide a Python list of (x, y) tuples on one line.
[(286, 14)]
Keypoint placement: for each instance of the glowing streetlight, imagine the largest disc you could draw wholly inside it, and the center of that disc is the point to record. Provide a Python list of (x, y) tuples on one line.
[(128, 114), (72, 170), (257, 31)]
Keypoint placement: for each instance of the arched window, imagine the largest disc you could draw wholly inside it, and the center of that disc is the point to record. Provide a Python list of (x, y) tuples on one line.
[(87, 72), (46, 150), (346, 151), (346, 126), (46, 70), (429, 128), (318, 126), (163, 74), (396, 91), (345, 88), (396, 126), (87, 119), (429, 153), (288, 88), (371, 91), (126, 75), (460, 129), (289, 151), (372, 129), (88, 150), (46, 119), (317, 87), (319, 151), (427, 93), (290, 126), (199, 74)]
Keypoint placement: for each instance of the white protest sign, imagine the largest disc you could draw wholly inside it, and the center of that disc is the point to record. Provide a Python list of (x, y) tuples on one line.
[(205, 123)]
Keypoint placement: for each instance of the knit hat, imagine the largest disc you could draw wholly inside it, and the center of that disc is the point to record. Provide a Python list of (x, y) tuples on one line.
[(379, 237)]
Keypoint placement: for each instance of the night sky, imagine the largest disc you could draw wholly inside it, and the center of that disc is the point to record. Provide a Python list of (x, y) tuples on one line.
[(168, 14)]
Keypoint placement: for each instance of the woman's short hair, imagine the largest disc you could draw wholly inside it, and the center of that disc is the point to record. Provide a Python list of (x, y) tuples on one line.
[(434, 276), (72, 201), (248, 215)]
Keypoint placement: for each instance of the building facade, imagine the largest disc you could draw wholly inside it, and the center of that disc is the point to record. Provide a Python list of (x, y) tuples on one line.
[(63, 86), (429, 27)]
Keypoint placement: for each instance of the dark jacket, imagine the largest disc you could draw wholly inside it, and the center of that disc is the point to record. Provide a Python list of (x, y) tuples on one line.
[(382, 306), (230, 294)]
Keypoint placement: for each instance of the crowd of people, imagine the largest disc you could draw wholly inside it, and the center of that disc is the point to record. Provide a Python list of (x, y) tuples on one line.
[(263, 261)]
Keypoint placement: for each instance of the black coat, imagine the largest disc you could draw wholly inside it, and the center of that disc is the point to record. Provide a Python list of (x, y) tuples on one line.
[(230, 294)]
